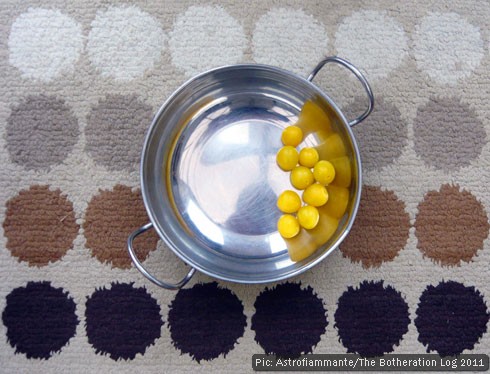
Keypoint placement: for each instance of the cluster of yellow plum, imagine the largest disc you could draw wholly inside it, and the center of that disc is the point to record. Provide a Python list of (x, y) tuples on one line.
[(323, 175), (308, 174)]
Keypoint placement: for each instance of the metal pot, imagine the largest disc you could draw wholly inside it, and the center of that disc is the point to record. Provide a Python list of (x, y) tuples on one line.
[(209, 178)]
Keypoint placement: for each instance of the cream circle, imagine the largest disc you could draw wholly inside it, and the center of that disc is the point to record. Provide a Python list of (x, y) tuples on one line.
[(204, 37), (124, 42), (289, 38), (44, 43), (373, 41), (447, 47)]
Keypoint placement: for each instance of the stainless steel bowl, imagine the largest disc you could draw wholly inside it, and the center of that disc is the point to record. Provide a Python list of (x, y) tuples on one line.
[(209, 178)]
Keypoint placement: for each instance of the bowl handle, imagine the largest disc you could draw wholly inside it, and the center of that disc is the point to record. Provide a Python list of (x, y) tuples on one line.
[(359, 76), (139, 265)]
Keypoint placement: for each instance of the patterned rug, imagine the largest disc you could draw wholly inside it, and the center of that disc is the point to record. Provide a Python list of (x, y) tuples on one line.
[(80, 83)]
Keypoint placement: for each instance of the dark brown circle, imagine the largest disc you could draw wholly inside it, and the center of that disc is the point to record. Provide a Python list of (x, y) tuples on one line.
[(109, 219), (380, 229), (41, 132), (39, 225), (451, 225)]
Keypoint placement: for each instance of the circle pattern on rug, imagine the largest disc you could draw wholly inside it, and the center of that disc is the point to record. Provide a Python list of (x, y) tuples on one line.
[(40, 319), (443, 130), (380, 230), (109, 219), (447, 47), (371, 319), (124, 42), (451, 318), (122, 321), (453, 234), (289, 320), (206, 321), (97, 69), (41, 132), (44, 43), (289, 38), (197, 42), (39, 225), (382, 39), (382, 136), (116, 130)]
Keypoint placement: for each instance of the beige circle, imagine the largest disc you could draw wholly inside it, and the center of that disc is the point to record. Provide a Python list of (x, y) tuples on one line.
[(289, 38), (373, 41), (44, 43), (124, 42), (205, 37), (447, 47)]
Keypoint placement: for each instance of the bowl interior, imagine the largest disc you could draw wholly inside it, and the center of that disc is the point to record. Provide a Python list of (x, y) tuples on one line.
[(209, 176)]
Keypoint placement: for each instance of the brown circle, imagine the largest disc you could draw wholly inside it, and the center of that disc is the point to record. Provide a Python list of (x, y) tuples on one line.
[(380, 229), (109, 219), (41, 132), (39, 225), (450, 226)]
